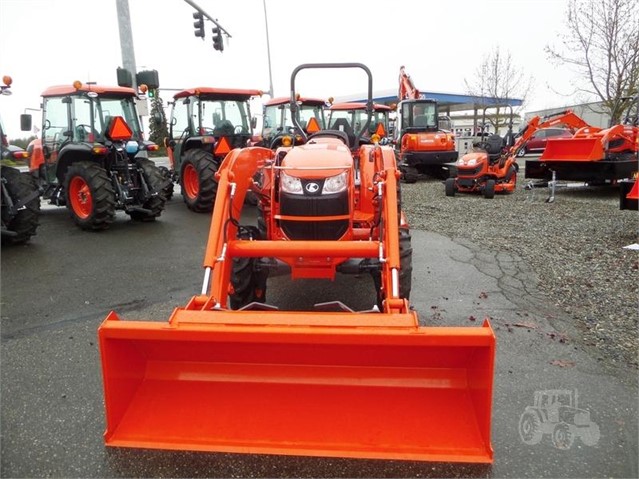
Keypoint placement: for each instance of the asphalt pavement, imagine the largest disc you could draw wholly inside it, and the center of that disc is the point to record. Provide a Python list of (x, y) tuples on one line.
[(60, 287)]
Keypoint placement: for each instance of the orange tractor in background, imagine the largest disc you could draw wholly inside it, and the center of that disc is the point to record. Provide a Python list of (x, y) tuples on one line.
[(206, 123), (593, 155), (423, 146), (349, 118), (92, 156), (232, 373), (492, 166), (278, 124)]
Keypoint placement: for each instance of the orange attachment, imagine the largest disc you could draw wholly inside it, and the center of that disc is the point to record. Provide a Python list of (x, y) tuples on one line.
[(323, 384), (573, 149)]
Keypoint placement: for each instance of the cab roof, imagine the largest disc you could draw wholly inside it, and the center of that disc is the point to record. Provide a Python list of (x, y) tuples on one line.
[(60, 90), (218, 93), (358, 106), (306, 101)]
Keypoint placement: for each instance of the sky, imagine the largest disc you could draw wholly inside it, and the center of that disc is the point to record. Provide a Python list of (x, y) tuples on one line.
[(441, 44)]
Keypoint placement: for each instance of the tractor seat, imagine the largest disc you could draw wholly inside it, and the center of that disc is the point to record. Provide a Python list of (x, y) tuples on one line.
[(493, 146)]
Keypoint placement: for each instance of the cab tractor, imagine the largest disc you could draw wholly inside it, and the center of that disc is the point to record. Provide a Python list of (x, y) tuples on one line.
[(232, 373), (349, 118), (278, 124), (424, 146), (492, 166), (92, 157), (19, 194), (206, 123)]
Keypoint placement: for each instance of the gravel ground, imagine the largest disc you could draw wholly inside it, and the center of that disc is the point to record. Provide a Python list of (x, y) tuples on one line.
[(574, 246)]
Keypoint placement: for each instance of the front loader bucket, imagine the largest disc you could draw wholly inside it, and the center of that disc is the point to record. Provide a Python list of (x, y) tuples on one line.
[(363, 385), (573, 149)]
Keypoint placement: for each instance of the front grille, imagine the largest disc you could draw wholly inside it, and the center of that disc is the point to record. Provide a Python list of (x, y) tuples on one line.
[(318, 206), (461, 171)]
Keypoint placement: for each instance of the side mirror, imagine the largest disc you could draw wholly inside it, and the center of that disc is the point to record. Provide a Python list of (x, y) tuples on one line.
[(25, 122)]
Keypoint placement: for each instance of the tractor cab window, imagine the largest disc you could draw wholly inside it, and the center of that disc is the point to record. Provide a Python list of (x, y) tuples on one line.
[(306, 112), (224, 117), (82, 127), (272, 115), (179, 118), (341, 120), (56, 122), (109, 107)]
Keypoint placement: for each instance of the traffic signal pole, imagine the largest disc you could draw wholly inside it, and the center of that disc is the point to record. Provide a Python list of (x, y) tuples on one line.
[(126, 38)]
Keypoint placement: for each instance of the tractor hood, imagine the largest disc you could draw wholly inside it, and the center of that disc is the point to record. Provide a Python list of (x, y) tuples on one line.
[(328, 159)]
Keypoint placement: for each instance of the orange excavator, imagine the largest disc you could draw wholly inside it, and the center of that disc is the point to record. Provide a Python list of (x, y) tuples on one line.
[(492, 166), (230, 372), (423, 146)]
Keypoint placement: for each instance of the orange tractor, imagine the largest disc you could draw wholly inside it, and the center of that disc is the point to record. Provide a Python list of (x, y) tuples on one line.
[(19, 194), (349, 118), (92, 156), (278, 124), (206, 123), (423, 146), (492, 166), (593, 155), (232, 373)]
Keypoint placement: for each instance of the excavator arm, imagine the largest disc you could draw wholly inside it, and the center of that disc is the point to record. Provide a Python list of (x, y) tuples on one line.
[(407, 90)]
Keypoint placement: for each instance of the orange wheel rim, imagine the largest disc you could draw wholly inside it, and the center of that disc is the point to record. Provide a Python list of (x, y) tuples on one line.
[(190, 181), (80, 196)]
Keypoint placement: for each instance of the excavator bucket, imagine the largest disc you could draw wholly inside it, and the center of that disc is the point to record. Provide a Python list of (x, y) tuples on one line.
[(573, 149), (364, 385)]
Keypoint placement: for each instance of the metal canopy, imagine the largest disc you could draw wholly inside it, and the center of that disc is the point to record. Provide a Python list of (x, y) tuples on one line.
[(447, 101)]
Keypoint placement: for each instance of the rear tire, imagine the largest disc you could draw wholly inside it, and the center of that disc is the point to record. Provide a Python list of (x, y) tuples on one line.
[(489, 189), (23, 222), (90, 197), (450, 187), (156, 181), (197, 180), (169, 189)]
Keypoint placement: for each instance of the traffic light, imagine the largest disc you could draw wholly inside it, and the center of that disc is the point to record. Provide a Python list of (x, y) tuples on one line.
[(218, 41), (198, 24), (151, 93)]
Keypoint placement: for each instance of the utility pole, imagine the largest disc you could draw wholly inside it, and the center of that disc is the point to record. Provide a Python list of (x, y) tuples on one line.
[(126, 39), (268, 52)]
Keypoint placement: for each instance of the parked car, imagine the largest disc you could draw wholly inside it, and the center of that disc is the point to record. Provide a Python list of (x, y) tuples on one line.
[(537, 142)]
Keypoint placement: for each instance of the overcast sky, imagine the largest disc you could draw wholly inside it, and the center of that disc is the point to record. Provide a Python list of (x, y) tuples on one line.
[(50, 42)]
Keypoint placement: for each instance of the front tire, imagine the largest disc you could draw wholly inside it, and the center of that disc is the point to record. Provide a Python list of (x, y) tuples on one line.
[(23, 222), (409, 174), (156, 183), (489, 189), (90, 196), (248, 284), (450, 187), (197, 180)]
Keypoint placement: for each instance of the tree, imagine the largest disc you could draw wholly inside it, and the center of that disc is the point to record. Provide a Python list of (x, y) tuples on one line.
[(602, 43), (158, 130), (498, 77)]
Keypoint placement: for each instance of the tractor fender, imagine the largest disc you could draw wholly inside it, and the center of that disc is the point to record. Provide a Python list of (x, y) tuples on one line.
[(70, 154)]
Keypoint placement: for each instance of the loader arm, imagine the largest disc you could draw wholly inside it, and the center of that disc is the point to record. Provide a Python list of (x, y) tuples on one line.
[(407, 89), (566, 118)]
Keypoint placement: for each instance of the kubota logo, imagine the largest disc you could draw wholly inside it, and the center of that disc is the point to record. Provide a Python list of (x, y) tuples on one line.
[(312, 187)]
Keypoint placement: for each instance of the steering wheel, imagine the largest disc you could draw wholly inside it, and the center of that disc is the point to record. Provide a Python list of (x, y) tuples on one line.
[(83, 131)]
